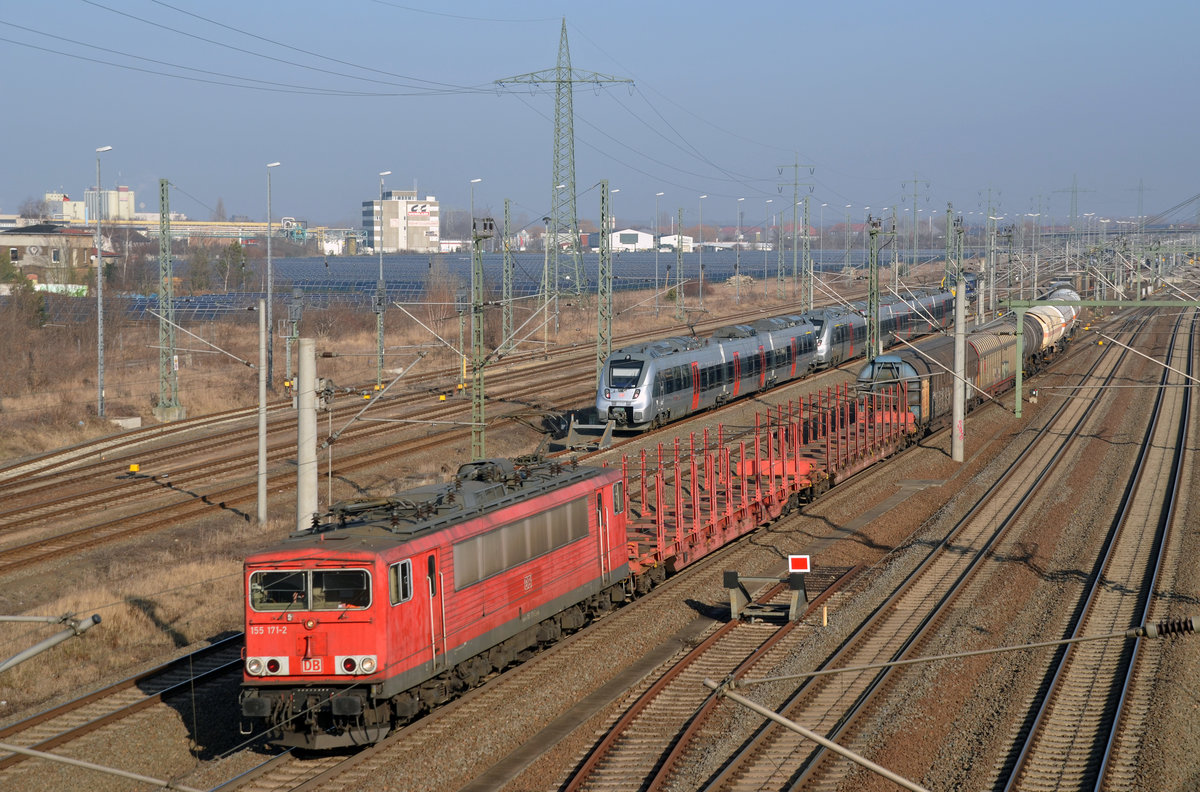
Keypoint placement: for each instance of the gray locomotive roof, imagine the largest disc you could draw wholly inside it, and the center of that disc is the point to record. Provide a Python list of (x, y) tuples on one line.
[(478, 488)]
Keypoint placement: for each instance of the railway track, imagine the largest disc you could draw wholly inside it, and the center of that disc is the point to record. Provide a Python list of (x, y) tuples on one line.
[(836, 705), (227, 483), (109, 705), (1090, 692), (636, 751)]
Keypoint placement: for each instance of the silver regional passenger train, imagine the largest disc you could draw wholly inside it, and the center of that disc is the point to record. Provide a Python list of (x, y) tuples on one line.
[(649, 384)]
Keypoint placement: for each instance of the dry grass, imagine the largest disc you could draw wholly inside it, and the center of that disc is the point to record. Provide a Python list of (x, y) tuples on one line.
[(152, 605)]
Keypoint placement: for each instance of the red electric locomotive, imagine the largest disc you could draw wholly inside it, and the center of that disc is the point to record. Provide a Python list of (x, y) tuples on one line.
[(389, 606)]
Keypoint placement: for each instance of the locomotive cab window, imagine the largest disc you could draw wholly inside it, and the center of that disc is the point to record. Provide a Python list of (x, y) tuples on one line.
[(618, 497), (624, 374), (336, 589), (279, 590), (400, 582), (320, 589)]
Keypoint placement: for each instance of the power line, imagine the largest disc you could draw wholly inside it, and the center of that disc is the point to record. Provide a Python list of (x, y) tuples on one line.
[(242, 50), (304, 51)]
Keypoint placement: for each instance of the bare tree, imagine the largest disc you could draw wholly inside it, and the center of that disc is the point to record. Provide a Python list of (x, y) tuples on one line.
[(34, 209)]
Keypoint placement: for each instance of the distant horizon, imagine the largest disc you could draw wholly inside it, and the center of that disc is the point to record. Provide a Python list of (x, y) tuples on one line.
[(1016, 110)]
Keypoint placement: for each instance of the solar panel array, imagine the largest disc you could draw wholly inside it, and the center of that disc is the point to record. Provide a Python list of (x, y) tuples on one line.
[(350, 282)]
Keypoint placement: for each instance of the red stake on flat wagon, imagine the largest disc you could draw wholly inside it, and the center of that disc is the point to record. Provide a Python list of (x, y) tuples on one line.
[(643, 481), (770, 459), (757, 463), (824, 419), (708, 482), (695, 494), (678, 495), (660, 517), (709, 488), (728, 481), (742, 472)]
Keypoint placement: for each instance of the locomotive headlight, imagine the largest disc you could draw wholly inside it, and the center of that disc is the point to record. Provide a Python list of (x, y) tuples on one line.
[(254, 666), (310, 624), (637, 392), (349, 664), (607, 395), (273, 666), (368, 665)]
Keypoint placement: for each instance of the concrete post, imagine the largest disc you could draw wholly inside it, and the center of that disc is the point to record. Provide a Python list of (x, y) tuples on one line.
[(262, 412), (306, 434), (960, 367)]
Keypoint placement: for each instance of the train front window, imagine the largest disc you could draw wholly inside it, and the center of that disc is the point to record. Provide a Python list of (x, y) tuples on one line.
[(335, 589), (279, 590), (319, 589), (624, 374)]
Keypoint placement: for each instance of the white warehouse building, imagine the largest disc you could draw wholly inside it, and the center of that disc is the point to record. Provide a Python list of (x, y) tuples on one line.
[(675, 240), (631, 239)]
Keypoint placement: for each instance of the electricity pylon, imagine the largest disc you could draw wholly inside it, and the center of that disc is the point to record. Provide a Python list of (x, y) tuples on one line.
[(563, 215), (167, 407)]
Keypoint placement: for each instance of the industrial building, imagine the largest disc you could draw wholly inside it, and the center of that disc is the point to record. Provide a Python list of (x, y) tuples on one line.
[(674, 240), (630, 239), (402, 223), (118, 204)]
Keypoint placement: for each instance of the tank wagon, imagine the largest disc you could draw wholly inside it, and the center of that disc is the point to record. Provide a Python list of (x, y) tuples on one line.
[(991, 363), (647, 385)]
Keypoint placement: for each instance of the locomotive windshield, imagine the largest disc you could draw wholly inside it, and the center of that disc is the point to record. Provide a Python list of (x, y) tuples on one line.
[(318, 589), (624, 374)]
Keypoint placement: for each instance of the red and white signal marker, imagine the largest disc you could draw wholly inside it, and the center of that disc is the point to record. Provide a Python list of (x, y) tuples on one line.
[(799, 564)]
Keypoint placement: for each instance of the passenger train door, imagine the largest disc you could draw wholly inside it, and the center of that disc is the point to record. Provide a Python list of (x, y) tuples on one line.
[(795, 355), (737, 374), (762, 366), (695, 385)]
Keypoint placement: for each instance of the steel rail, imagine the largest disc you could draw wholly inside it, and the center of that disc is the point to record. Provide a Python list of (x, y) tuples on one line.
[(948, 573), (1107, 677), (215, 659)]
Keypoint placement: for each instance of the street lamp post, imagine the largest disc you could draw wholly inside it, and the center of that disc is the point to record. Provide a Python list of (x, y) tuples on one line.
[(766, 220), (473, 183), (475, 250), (702, 197), (1035, 216), (270, 288), (100, 294), (846, 234), (657, 245), (737, 255), (380, 291), (546, 290)]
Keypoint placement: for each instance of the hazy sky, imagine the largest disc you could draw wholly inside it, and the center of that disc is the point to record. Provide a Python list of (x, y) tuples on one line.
[(1019, 97)]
